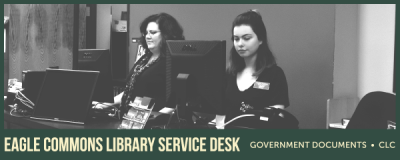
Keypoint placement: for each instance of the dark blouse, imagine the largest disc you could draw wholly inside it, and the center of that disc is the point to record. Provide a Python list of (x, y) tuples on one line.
[(269, 89), (151, 82)]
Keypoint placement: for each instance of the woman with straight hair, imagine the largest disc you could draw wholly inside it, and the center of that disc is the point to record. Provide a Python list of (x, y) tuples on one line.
[(255, 81)]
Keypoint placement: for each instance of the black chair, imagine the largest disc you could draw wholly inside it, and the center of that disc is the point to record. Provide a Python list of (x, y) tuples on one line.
[(376, 110)]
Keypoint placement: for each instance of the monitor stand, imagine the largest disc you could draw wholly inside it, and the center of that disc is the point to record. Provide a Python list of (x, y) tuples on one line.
[(183, 112)]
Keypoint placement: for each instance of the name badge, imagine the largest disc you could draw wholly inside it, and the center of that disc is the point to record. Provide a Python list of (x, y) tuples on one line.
[(262, 85)]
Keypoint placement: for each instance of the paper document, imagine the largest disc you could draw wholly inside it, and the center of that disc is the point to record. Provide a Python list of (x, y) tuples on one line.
[(166, 110)]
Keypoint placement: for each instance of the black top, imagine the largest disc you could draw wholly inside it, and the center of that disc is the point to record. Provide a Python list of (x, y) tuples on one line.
[(270, 89), (152, 83)]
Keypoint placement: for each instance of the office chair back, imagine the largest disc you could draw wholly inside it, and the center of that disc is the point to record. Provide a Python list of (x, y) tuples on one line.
[(376, 110)]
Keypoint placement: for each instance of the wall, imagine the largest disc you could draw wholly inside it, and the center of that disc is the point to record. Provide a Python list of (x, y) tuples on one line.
[(103, 30), (40, 37), (376, 48), (117, 9), (301, 36), (104, 19), (345, 74), (364, 49), (6, 9), (6, 55)]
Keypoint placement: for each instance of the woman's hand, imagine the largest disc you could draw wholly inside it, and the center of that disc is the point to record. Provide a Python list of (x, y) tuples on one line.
[(279, 106), (101, 106)]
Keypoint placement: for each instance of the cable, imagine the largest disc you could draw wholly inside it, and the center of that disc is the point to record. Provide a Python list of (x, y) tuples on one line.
[(27, 99), (14, 109), (24, 100), (241, 116), (26, 103)]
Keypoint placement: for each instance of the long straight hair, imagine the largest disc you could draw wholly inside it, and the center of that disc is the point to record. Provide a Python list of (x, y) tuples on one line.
[(265, 58)]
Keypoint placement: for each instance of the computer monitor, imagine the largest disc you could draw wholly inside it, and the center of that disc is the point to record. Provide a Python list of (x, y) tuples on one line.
[(98, 60), (32, 82), (205, 63), (65, 95)]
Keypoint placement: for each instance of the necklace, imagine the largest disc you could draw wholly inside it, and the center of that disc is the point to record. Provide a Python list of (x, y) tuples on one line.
[(152, 60), (137, 71), (140, 68)]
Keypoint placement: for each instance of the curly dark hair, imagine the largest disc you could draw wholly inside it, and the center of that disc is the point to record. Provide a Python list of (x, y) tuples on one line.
[(265, 58), (169, 27)]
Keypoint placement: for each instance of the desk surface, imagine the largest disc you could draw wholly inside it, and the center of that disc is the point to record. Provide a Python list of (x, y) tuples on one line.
[(91, 123), (95, 123)]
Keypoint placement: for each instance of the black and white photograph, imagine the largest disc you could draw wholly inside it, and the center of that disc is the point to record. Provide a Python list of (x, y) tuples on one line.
[(216, 66)]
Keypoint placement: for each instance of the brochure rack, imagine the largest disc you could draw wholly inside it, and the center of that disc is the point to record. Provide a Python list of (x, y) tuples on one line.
[(137, 116)]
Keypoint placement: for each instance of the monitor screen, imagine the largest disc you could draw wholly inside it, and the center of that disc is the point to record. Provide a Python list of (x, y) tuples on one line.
[(98, 60), (204, 62), (65, 95), (32, 82)]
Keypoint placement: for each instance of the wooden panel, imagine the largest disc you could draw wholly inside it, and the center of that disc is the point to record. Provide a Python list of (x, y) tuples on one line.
[(14, 32), (91, 26), (55, 35), (6, 59), (41, 36), (82, 26)]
